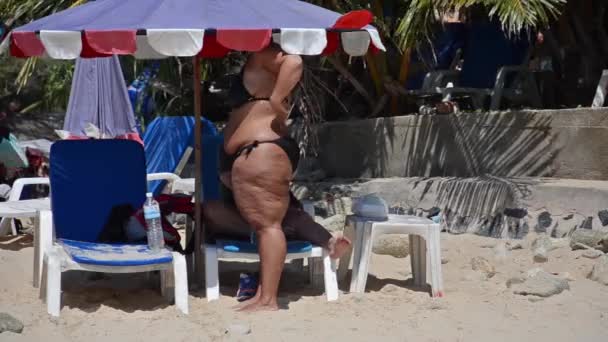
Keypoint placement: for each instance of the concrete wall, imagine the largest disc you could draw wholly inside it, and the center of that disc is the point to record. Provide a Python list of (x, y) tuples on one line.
[(553, 143), (491, 206)]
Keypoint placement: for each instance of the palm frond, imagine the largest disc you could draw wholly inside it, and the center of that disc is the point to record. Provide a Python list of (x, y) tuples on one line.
[(515, 15)]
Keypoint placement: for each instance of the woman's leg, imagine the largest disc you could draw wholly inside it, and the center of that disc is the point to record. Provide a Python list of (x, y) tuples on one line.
[(260, 182), (224, 220), (303, 227)]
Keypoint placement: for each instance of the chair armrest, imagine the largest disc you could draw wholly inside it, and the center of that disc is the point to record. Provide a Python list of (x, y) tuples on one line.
[(166, 176), (171, 177), (21, 182)]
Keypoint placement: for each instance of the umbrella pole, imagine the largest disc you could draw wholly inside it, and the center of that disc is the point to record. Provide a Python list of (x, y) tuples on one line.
[(198, 224)]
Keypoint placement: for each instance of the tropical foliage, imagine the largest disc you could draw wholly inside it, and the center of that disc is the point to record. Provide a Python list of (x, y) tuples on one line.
[(404, 26)]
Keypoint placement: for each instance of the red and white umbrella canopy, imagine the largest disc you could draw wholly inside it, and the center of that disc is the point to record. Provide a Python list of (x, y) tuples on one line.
[(153, 29)]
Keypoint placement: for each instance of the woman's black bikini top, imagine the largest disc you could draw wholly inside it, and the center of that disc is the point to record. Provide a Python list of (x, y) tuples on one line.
[(238, 94)]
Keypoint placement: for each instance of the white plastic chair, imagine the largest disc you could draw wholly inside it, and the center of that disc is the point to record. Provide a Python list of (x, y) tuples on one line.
[(425, 249), (214, 252), (57, 260), (78, 224), (40, 234), (20, 183), (15, 195)]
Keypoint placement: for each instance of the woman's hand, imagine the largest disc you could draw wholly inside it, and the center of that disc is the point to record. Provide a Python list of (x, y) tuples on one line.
[(279, 106)]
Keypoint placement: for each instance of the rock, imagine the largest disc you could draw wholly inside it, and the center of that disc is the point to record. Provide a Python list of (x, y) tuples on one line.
[(238, 329), (511, 246), (541, 284), (10, 323), (540, 247), (544, 222), (579, 245), (592, 238), (519, 213), (515, 281), (444, 261), (587, 223), (540, 256), (603, 215), (542, 241), (559, 243), (334, 223), (565, 226), (483, 265), (600, 271), (397, 245), (592, 254)]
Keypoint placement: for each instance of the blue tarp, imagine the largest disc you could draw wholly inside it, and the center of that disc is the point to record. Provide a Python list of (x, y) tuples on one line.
[(167, 138)]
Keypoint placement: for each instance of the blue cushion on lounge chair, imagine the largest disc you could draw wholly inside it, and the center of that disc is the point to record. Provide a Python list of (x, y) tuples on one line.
[(103, 254), (234, 246)]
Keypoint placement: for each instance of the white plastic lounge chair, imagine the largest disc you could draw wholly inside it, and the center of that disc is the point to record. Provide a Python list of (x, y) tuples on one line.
[(67, 234), (244, 250)]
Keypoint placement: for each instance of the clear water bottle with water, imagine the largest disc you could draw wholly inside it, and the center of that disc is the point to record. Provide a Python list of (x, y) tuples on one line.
[(156, 241)]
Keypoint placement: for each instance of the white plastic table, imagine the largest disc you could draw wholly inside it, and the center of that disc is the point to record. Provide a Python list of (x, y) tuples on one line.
[(425, 249), (184, 185)]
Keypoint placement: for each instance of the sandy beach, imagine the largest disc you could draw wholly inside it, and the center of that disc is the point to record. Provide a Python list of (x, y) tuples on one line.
[(475, 307)]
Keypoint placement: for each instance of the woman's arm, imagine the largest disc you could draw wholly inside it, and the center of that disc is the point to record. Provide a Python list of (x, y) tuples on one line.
[(288, 69)]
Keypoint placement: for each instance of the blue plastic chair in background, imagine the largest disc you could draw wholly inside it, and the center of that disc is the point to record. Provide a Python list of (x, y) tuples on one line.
[(494, 66), (92, 182)]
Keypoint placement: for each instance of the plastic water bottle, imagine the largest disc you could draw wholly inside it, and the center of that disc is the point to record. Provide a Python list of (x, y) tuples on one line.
[(156, 241)]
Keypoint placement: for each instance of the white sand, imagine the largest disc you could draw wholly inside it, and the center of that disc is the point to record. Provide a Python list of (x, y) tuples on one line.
[(129, 308)]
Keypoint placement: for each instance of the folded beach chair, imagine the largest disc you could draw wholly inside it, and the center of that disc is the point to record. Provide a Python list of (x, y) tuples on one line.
[(92, 180)]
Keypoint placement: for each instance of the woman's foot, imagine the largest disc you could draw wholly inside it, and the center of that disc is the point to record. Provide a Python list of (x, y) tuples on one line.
[(338, 245), (260, 305), (249, 301)]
